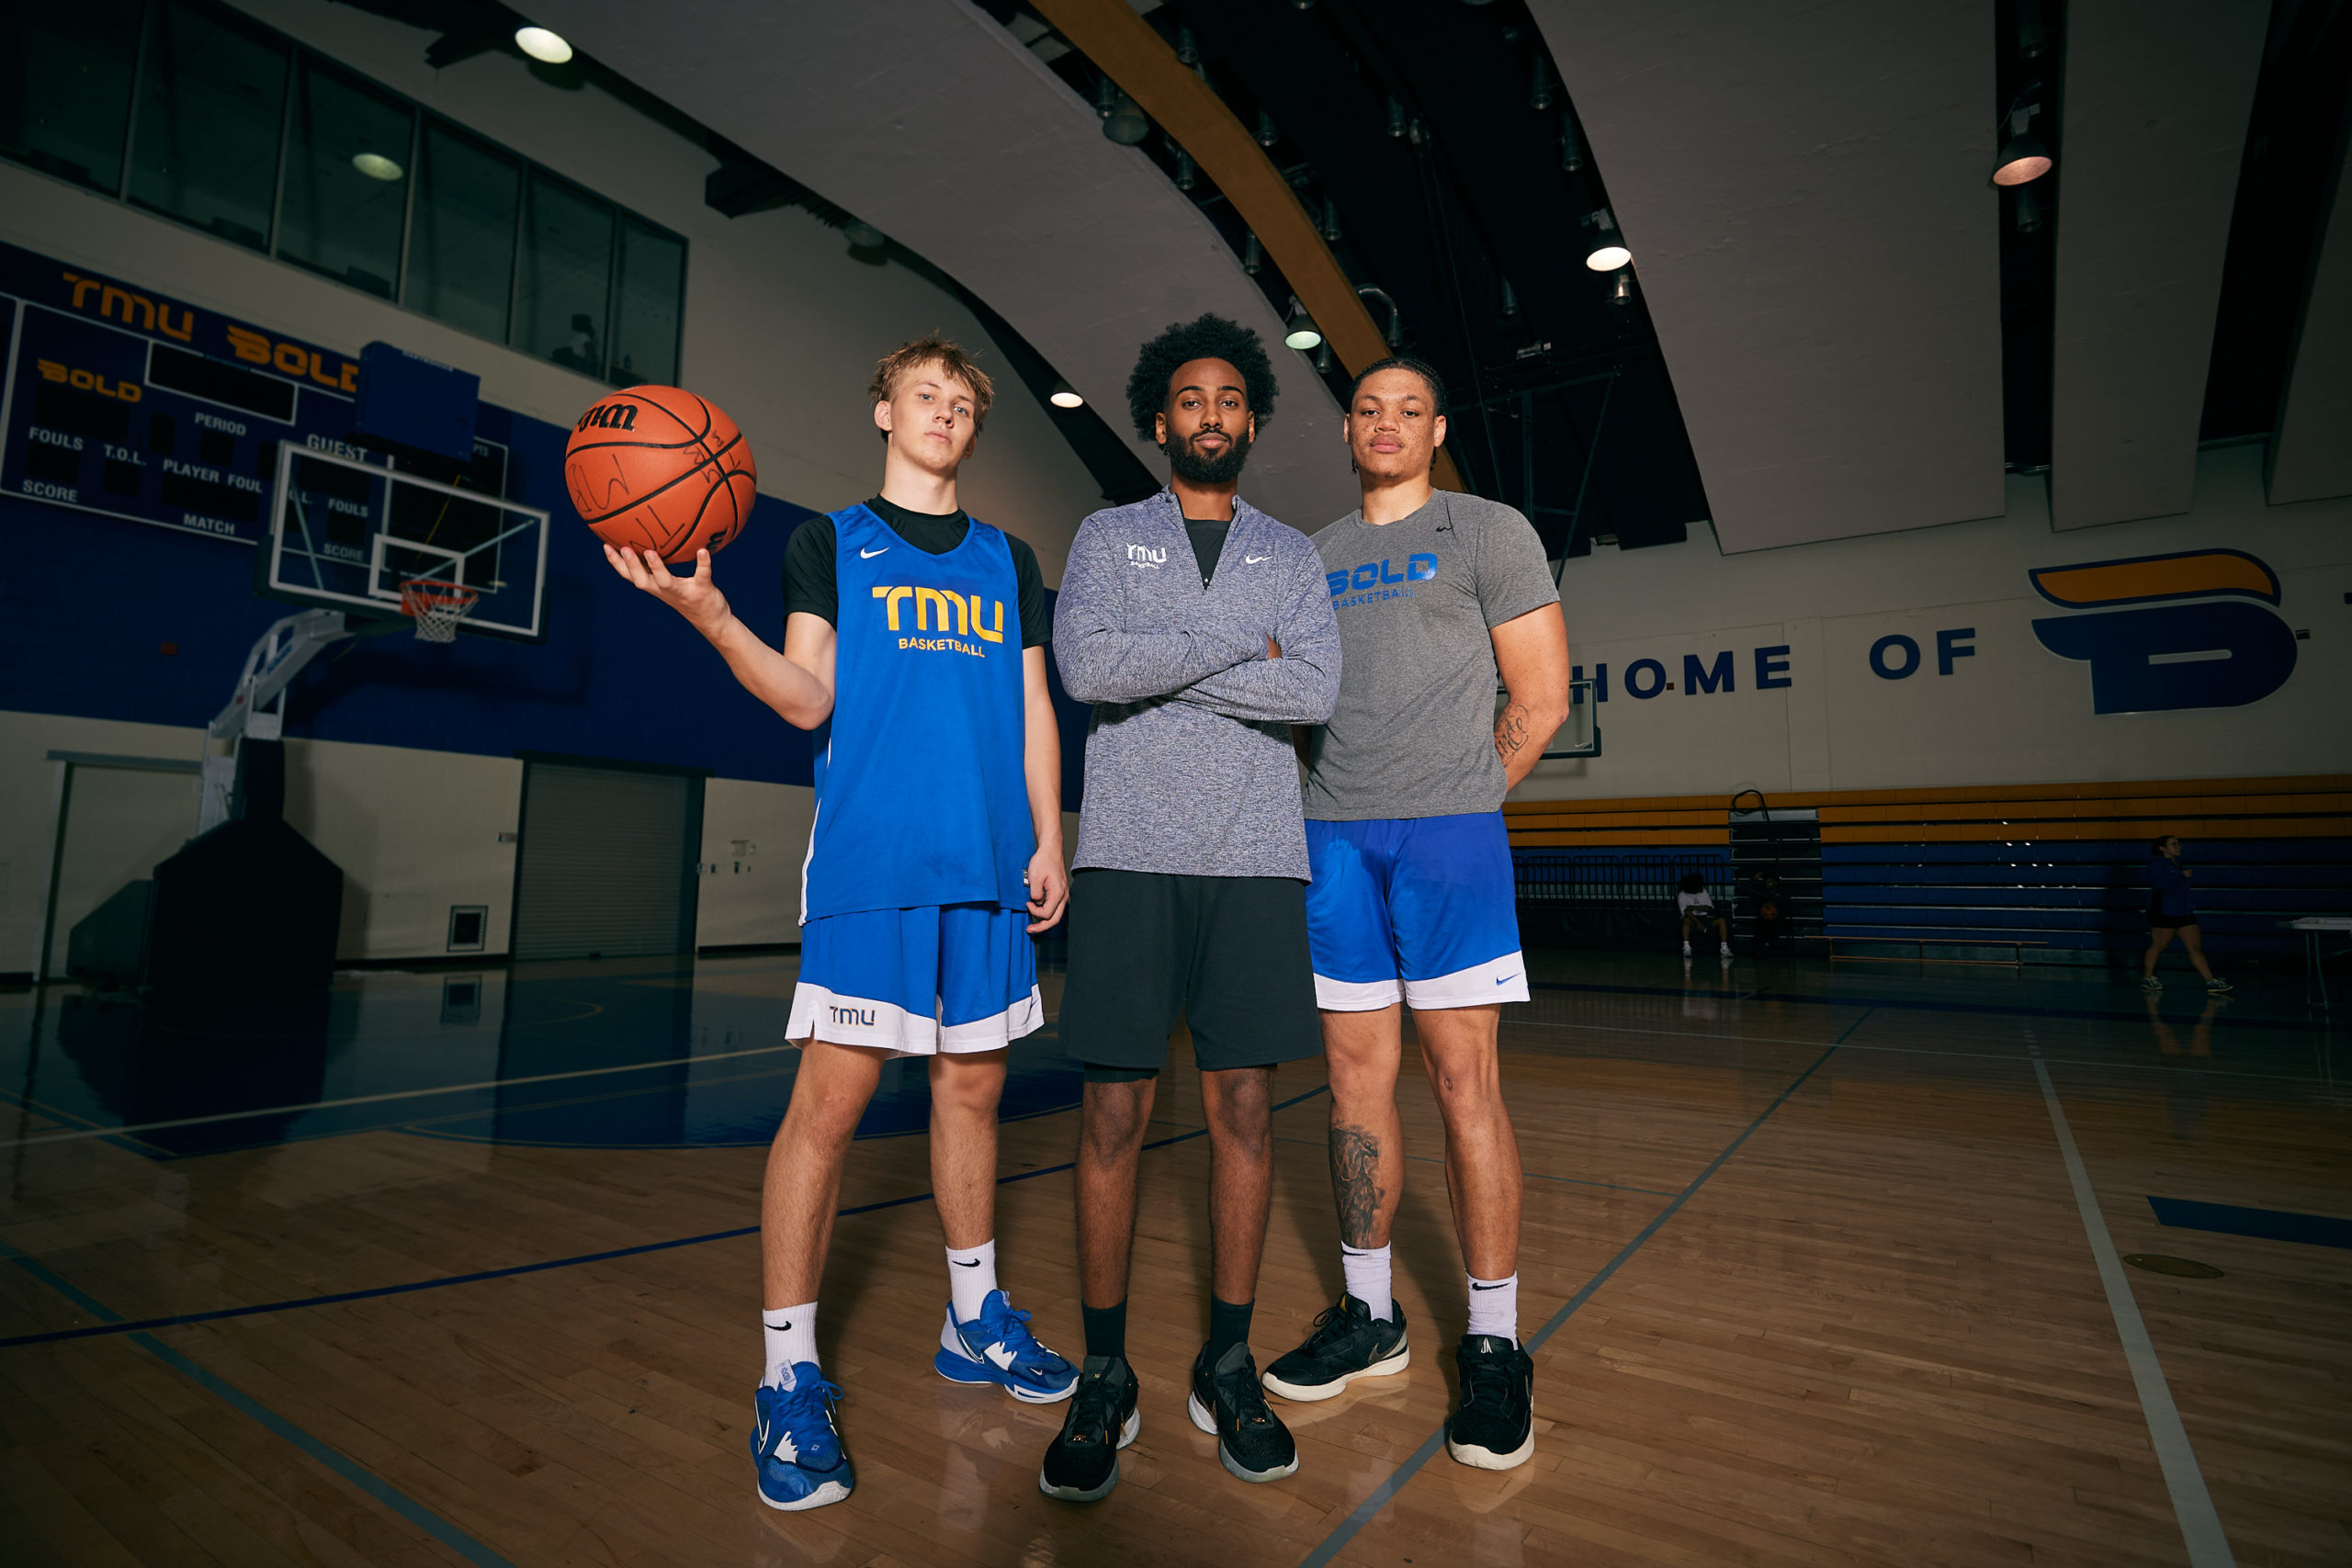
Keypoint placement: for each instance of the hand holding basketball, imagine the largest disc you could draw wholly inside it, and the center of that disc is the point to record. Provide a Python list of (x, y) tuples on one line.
[(697, 597)]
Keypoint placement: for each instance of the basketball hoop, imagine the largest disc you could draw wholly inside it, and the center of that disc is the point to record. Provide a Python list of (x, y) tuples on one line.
[(437, 607)]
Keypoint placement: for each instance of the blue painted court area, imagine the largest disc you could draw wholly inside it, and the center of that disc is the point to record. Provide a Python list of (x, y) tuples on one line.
[(611, 1056), (2265, 1225)]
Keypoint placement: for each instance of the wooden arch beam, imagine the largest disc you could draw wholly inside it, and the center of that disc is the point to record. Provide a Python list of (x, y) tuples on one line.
[(1121, 42)]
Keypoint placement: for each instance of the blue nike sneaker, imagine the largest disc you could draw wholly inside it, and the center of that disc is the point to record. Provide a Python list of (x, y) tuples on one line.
[(797, 1453), (998, 1347)]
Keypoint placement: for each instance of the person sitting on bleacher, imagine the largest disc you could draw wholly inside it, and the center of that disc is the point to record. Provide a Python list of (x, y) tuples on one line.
[(1696, 907)]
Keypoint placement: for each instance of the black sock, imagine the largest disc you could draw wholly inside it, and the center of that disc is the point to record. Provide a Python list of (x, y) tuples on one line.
[(1106, 1329), (1228, 1327)]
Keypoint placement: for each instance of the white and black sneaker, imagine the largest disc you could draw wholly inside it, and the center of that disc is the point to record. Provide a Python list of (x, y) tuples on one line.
[(1229, 1402), (1082, 1462), (1347, 1343), (1495, 1427)]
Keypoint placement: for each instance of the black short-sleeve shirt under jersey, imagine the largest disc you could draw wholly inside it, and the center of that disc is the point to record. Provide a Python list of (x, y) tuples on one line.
[(809, 584)]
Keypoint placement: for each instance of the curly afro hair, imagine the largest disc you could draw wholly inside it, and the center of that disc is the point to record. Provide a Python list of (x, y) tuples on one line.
[(1204, 337)]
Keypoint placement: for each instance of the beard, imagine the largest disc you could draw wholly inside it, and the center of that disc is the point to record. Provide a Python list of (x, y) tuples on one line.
[(1222, 470)]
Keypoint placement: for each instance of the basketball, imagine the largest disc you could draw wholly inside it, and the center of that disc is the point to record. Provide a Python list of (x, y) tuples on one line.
[(659, 468)]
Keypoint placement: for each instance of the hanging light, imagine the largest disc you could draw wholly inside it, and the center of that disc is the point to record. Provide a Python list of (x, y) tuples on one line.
[(1267, 134), (2029, 210), (1330, 227), (1396, 118), (2022, 156), (1065, 396), (1301, 333), (1539, 97), (1188, 49), (1510, 300), (1126, 124), (1253, 255), (1106, 98), (1571, 146), (375, 166), (1323, 360), (1605, 252), (541, 45), (1185, 172), (1621, 293)]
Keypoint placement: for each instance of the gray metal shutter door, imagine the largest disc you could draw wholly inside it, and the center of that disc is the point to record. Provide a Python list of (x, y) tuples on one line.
[(604, 863)]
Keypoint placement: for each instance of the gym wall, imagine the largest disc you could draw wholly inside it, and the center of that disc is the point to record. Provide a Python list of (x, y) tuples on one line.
[(122, 639), (1756, 671)]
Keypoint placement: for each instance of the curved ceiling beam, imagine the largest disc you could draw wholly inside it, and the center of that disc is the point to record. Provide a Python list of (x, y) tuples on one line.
[(933, 123), (1115, 37)]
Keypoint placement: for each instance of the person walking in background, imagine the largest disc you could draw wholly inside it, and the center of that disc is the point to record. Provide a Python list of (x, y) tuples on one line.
[(2171, 913), (1694, 906)]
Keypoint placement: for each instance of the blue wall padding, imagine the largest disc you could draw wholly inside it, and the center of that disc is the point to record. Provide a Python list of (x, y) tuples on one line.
[(90, 601)]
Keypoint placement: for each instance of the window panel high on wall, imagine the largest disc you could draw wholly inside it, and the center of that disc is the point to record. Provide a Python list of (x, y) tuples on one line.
[(347, 155), (461, 256), (195, 112), (65, 87), (204, 140), (561, 296), (645, 314)]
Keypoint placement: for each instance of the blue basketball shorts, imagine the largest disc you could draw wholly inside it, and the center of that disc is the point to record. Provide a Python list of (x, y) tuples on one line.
[(945, 978), (1417, 909)]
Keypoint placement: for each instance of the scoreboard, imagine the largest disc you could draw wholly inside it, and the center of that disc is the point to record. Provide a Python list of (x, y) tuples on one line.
[(126, 402)]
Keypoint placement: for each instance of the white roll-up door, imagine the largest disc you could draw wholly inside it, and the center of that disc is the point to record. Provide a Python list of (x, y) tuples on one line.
[(607, 862)]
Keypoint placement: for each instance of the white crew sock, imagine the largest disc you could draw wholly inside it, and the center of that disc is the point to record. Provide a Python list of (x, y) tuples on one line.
[(971, 1275), (1494, 1307), (1366, 1268), (790, 1333)]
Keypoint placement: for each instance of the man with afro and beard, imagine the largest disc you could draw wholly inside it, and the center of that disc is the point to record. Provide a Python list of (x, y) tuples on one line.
[(1200, 629)]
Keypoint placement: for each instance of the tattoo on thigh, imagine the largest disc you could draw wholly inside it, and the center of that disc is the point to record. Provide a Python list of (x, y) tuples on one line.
[(1355, 1183)]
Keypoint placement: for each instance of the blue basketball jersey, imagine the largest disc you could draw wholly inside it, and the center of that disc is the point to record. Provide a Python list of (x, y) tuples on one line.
[(920, 796)]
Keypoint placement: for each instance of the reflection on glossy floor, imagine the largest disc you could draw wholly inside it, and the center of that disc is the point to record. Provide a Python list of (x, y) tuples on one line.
[(459, 1268)]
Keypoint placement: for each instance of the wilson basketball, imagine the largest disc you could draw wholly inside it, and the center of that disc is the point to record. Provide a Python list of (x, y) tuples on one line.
[(659, 468)]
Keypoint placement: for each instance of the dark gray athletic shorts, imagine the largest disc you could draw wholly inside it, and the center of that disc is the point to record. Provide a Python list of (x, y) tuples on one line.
[(1228, 953)]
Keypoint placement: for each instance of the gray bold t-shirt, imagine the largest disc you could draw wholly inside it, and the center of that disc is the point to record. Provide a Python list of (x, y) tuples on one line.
[(1414, 733)]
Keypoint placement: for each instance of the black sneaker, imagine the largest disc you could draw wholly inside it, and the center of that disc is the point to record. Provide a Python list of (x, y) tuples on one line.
[(1347, 1343), (1495, 1429), (1083, 1463), (1227, 1403)]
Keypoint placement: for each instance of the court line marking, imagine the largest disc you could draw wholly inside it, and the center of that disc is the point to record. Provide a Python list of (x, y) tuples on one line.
[(115, 1324), (1765, 993), (2175, 1065), (378, 1099), (2192, 1505), (331, 1458), (1384, 1494)]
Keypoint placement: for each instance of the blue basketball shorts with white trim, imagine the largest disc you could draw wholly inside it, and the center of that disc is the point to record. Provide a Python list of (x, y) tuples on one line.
[(1419, 908), (946, 978)]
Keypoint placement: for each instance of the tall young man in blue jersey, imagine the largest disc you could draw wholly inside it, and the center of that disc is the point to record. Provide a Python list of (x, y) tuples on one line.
[(937, 841), (1438, 595), (1199, 628)]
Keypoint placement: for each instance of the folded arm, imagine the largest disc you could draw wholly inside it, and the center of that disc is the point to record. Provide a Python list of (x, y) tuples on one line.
[(1299, 681), (1101, 662)]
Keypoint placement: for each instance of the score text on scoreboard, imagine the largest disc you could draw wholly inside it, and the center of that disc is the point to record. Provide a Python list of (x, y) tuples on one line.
[(119, 401)]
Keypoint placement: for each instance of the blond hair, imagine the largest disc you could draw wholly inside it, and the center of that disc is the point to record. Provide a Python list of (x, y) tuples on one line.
[(933, 348)]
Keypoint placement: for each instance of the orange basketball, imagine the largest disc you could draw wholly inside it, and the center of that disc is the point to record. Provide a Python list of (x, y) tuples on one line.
[(658, 468)]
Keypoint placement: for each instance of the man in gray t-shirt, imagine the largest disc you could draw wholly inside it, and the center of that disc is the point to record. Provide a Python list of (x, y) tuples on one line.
[(1438, 596)]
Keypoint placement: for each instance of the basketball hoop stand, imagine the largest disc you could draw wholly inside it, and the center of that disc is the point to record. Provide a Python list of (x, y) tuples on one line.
[(258, 710)]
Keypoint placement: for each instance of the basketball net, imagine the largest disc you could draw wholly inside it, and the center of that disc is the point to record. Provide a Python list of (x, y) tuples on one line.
[(437, 607)]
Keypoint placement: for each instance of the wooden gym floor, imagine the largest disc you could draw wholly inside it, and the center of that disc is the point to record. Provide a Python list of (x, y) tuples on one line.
[(460, 1268)]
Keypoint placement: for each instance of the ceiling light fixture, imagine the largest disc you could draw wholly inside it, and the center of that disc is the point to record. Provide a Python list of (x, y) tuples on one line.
[(1571, 146), (1267, 134), (1126, 124), (864, 236), (1185, 172), (1605, 252), (2029, 210), (1397, 118), (1621, 293), (375, 166), (1065, 396), (1330, 227), (1539, 97), (2022, 156), (1510, 300), (1301, 333), (1188, 49), (541, 45), (1253, 255)]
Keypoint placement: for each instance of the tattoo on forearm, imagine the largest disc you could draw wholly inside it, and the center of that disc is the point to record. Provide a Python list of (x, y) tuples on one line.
[(1510, 731), (1355, 1183)]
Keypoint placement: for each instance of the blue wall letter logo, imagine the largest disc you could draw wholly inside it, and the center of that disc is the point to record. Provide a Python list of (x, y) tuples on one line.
[(2194, 643)]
